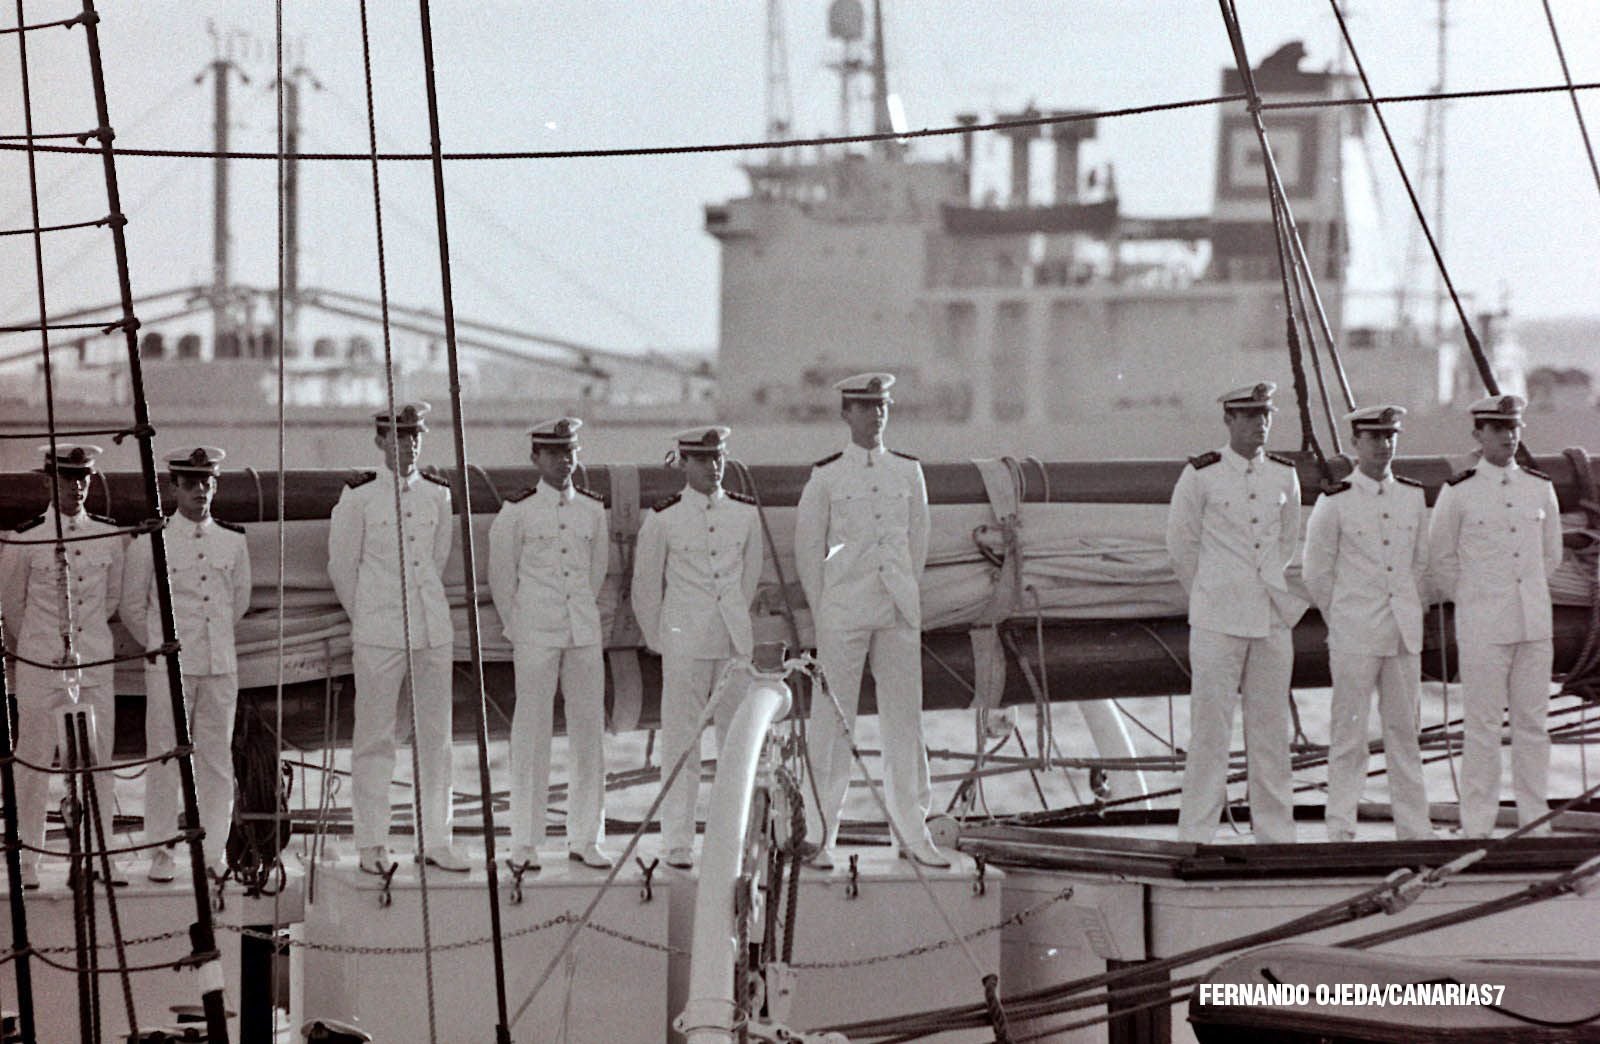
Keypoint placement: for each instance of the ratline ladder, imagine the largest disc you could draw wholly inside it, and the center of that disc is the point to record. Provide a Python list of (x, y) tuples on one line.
[(88, 849)]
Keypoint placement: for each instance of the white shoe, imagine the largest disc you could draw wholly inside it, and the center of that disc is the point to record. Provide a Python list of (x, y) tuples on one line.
[(681, 858), (375, 860), (447, 858), (524, 856), (925, 854), (591, 856), (163, 867)]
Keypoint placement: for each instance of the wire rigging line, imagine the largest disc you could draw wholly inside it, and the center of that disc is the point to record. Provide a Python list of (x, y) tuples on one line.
[(1577, 110), (848, 139), (1485, 371), (464, 508), (393, 449)]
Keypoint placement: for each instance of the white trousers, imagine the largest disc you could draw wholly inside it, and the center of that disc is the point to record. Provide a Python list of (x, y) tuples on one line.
[(686, 686), (1492, 676), (212, 700), (895, 654), (1398, 680), (581, 674), (379, 673), (37, 716), (1222, 667)]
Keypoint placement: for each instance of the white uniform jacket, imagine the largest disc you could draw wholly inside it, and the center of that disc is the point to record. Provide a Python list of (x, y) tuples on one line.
[(861, 536), (1231, 531), (548, 551), (30, 592), (1495, 539), (1366, 563), (208, 568), (696, 569), (363, 559)]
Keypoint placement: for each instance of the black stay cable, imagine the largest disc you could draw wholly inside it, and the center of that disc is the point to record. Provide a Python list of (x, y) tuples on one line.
[(1280, 219), (1481, 360), (1577, 110)]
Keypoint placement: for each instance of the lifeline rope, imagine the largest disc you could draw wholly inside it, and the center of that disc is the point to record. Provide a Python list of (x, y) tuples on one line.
[(418, 801)]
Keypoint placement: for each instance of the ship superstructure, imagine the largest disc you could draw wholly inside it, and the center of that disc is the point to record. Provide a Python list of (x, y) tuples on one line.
[(1035, 311)]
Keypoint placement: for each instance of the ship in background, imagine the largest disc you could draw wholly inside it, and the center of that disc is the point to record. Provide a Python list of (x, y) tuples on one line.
[(1046, 320), (1044, 314)]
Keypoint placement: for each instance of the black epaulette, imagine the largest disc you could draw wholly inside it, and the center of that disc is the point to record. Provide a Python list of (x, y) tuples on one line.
[(32, 522), (825, 461), (228, 525), (520, 495), (360, 478), (666, 502), (436, 479), (1536, 473), (1335, 489), (743, 498), (1281, 459), (902, 456), (591, 494), (106, 519), (1409, 482), (1460, 476), (1204, 460)]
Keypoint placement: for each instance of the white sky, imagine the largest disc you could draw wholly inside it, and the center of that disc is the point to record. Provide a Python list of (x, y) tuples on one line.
[(611, 251)]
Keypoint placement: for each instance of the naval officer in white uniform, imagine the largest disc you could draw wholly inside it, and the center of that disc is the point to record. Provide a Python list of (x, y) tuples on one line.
[(1495, 539), (30, 588), (860, 545), (208, 572), (1366, 563), (365, 564), (548, 550), (1232, 530), (696, 568)]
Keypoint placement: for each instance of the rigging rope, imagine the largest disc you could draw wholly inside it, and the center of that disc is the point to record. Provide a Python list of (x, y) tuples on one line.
[(849, 139), (393, 450), (1577, 110), (1479, 358), (1280, 218), (468, 560)]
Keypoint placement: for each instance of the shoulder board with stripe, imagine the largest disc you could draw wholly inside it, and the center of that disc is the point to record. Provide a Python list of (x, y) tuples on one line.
[(437, 480), (742, 498), (1409, 482), (1536, 473), (360, 478), (1335, 489), (902, 456), (591, 494), (30, 524), (1460, 476), (825, 461), (666, 502), (1280, 459), (232, 527), (106, 519), (1205, 460), (520, 495)]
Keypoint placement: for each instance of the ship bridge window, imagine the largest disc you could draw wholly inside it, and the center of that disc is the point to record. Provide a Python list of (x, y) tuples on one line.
[(189, 346), (152, 346), (958, 330)]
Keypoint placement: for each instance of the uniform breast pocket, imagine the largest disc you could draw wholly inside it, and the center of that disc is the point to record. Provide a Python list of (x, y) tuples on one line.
[(846, 508)]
